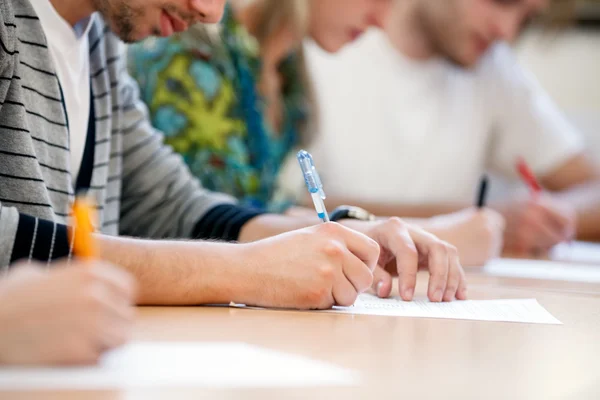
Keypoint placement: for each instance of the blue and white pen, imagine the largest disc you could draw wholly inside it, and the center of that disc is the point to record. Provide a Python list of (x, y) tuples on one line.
[(313, 183)]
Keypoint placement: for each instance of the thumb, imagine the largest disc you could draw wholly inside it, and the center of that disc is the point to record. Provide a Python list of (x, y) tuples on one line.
[(382, 282)]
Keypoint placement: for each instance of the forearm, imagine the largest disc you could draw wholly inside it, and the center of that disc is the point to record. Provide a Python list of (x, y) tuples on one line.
[(179, 272), (269, 225)]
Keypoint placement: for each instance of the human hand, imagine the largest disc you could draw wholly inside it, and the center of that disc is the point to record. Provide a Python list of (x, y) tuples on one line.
[(534, 226), (405, 249), (477, 234), (67, 315), (311, 268)]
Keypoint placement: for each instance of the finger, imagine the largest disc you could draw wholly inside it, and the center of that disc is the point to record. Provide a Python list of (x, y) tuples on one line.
[(438, 271), (395, 237), (120, 282), (344, 293), (559, 220), (362, 246), (357, 272), (538, 231), (382, 282), (111, 306), (454, 277), (114, 334), (461, 292), (82, 350)]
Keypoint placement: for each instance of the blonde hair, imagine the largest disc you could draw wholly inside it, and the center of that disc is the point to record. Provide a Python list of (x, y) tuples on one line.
[(270, 16)]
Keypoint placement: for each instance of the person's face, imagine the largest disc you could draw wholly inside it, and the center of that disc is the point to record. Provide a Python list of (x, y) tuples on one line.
[(134, 20), (463, 30), (335, 23)]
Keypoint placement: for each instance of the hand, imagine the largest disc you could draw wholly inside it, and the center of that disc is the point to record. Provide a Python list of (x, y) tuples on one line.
[(477, 234), (68, 315), (404, 250), (534, 226), (311, 268)]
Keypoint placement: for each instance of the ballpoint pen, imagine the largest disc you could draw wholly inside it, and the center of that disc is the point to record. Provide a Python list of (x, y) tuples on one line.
[(482, 194), (313, 183)]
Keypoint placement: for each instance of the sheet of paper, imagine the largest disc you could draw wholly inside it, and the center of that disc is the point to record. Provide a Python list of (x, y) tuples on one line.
[(550, 270), (526, 311), (184, 364), (577, 252)]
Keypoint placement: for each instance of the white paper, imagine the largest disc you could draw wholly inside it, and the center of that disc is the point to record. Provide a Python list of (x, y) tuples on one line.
[(577, 252), (513, 310), (184, 364), (549, 270)]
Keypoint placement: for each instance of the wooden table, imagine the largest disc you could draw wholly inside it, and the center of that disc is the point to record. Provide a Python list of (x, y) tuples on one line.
[(400, 358)]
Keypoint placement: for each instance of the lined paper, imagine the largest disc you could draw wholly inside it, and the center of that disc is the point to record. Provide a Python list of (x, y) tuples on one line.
[(183, 364), (512, 310)]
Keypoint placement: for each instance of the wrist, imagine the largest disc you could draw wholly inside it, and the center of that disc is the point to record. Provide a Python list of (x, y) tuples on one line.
[(268, 225), (245, 279)]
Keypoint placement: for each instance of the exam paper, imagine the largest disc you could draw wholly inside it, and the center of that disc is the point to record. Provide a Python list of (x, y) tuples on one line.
[(183, 364), (526, 311), (550, 270)]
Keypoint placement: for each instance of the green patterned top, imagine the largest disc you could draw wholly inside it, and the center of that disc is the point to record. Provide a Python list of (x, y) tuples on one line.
[(204, 97)]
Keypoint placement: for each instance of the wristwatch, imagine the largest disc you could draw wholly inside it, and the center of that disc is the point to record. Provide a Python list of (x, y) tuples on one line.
[(351, 212)]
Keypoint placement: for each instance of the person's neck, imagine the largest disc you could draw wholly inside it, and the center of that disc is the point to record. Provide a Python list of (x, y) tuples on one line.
[(405, 31), (73, 11), (277, 46)]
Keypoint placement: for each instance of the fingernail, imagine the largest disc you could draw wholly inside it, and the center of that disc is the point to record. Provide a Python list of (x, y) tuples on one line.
[(438, 296), (378, 289), (408, 293)]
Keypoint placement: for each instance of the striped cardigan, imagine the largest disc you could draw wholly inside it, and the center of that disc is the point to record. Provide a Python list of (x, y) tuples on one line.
[(142, 188)]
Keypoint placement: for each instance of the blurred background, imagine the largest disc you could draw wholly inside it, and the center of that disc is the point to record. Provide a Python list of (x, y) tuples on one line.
[(567, 64)]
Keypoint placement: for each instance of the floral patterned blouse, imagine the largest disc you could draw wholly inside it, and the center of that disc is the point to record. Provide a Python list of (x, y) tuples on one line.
[(204, 97)]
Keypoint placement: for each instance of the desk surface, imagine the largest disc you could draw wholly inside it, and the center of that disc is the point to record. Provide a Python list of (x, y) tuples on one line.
[(400, 357)]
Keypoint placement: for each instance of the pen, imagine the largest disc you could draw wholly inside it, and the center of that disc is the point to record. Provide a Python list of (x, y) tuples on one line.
[(313, 183), (82, 229), (483, 189), (528, 177)]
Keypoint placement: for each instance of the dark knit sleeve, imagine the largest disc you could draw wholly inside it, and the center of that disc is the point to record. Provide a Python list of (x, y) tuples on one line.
[(224, 222), (40, 240)]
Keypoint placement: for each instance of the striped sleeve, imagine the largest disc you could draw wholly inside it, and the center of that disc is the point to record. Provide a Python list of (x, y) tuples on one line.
[(26, 237), (7, 51), (160, 197)]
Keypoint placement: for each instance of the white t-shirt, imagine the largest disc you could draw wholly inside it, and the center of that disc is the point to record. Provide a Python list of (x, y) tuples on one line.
[(393, 129), (69, 49)]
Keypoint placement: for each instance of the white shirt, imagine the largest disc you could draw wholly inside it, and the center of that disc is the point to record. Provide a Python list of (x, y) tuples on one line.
[(69, 49), (398, 130)]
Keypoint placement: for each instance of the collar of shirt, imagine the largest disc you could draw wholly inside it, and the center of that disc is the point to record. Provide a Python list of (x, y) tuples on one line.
[(60, 34)]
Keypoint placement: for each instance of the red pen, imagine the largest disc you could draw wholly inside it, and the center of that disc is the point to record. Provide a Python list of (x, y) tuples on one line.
[(528, 177)]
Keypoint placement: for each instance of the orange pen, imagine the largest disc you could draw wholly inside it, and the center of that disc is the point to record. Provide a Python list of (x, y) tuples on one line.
[(81, 233)]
